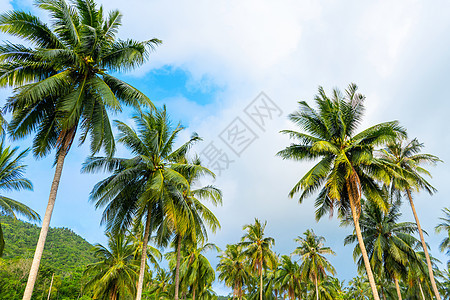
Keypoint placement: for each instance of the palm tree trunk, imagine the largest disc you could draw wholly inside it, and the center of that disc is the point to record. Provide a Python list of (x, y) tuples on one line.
[(50, 288), (365, 256), (144, 254), (421, 290), (383, 293), (317, 286), (260, 283), (193, 293), (397, 287), (45, 226), (177, 269), (424, 246), (361, 241)]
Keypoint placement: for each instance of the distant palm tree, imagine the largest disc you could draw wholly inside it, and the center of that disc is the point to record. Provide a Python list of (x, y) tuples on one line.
[(233, 270), (314, 264), (390, 244), (359, 289), (288, 277), (405, 161), (347, 168), (12, 178), (445, 226), (161, 284), (114, 275), (142, 187), (258, 250), (197, 270), (62, 85)]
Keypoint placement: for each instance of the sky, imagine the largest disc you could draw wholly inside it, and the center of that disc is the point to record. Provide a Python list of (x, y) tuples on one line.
[(216, 59)]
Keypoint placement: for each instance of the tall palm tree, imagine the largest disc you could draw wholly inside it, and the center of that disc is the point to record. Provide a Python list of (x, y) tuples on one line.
[(113, 276), (142, 187), (347, 168), (390, 244), (288, 277), (314, 264), (258, 250), (405, 160), (62, 83), (445, 226), (12, 178), (199, 218), (233, 270)]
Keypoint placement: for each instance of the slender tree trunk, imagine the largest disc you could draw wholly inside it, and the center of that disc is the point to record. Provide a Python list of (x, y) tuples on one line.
[(144, 253), (177, 268), (397, 287), (45, 226), (317, 286), (361, 241), (260, 283), (421, 290), (383, 293), (424, 246), (193, 293), (50, 289)]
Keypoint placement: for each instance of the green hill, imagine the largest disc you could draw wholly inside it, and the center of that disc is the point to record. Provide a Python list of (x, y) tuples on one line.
[(64, 251), (66, 255)]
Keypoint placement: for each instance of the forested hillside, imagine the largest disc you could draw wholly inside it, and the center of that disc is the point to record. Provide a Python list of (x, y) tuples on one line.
[(66, 255)]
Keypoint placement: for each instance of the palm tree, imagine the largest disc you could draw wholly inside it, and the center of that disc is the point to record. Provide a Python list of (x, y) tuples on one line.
[(288, 277), (12, 178), (405, 162), (314, 264), (197, 215), (197, 270), (114, 275), (233, 270), (161, 285), (444, 226), (258, 250), (390, 244), (359, 289), (62, 83), (347, 168), (144, 186)]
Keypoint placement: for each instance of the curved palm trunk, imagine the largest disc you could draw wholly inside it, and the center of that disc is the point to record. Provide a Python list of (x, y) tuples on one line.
[(144, 254), (317, 286), (353, 188), (397, 287), (424, 246), (260, 284), (421, 290), (45, 226), (177, 268)]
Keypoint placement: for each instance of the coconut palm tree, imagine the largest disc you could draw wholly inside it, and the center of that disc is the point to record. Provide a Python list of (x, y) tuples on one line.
[(62, 83), (288, 277), (405, 161), (347, 168), (146, 186), (359, 289), (390, 244), (161, 285), (233, 270), (198, 216), (12, 178), (197, 270), (444, 226), (258, 250), (314, 264), (114, 275)]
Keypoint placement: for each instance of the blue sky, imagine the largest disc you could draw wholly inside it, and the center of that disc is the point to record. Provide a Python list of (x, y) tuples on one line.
[(217, 56)]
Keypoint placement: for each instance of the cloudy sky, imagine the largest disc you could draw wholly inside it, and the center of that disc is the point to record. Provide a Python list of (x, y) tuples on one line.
[(218, 56)]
